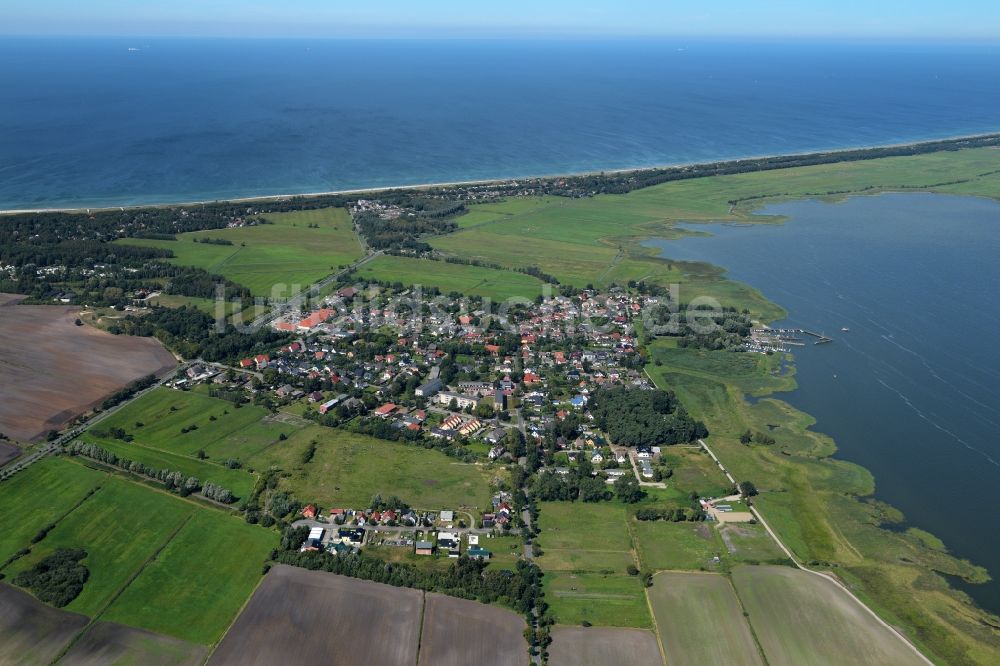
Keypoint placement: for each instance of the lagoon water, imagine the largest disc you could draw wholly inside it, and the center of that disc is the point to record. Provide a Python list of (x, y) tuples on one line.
[(90, 122), (912, 391)]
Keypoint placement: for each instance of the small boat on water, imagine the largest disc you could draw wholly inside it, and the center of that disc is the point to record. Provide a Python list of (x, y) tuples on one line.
[(845, 330)]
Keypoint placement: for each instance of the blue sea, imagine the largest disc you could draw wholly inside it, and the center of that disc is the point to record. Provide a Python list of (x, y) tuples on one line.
[(910, 391), (95, 122)]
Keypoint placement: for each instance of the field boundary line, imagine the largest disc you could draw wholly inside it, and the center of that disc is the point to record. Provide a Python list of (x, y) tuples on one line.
[(833, 579), (58, 520), (423, 616), (243, 607), (121, 590), (746, 618), (656, 626)]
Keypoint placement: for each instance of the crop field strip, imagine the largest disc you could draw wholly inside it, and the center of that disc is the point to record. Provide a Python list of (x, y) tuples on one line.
[(700, 620), (585, 551), (600, 646), (154, 558), (311, 615)]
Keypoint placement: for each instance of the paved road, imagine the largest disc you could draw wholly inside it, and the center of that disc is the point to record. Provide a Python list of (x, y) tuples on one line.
[(295, 302), (397, 529), (56, 445), (825, 575)]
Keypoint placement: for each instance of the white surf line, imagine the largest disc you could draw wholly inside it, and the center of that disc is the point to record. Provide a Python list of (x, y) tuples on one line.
[(825, 576), (497, 180)]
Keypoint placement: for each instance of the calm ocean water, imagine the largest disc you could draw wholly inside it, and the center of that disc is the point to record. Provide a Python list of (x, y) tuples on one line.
[(86, 122), (910, 392)]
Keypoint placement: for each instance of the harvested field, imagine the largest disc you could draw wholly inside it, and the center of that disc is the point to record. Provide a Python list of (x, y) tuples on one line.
[(599, 646), (110, 643), (801, 618), (42, 353), (8, 452), (457, 632), (700, 620), (313, 617), (32, 632)]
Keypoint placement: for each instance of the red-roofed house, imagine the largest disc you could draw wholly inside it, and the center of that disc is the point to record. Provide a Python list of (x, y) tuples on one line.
[(385, 410), (309, 511)]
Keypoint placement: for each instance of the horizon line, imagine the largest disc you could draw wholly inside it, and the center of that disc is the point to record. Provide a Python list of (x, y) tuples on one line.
[(540, 36)]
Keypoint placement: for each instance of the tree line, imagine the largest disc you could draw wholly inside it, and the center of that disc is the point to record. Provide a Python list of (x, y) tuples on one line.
[(464, 578), (175, 481), (196, 334)]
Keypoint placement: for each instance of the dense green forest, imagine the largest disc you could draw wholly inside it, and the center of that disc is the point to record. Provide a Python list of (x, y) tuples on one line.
[(635, 417), (58, 579), (195, 334)]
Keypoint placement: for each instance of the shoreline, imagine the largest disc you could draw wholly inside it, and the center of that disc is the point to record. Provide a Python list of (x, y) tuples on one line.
[(844, 151)]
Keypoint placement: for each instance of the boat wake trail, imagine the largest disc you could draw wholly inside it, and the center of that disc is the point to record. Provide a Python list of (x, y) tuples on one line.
[(916, 410), (935, 375)]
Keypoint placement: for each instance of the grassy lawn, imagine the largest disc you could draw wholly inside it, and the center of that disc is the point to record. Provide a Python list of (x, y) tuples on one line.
[(695, 471), (348, 469), (750, 543), (472, 280), (223, 430), (614, 600), (287, 252), (39, 496), (583, 525), (506, 551), (667, 545), (700, 620), (206, 573), (578, 536), (120, 526), (798, 616)]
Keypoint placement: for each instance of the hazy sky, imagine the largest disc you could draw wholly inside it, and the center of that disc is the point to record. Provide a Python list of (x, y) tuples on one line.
[(943, 19)]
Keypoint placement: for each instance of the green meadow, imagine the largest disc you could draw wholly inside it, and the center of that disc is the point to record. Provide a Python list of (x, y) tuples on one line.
[(603, 600), (39, 496), (586, 548), (298, 248), (207, 571), (471, 280), (156, 561), (700, 620), (157, 422), (597, 240), (223, 430), (348, 469), (797, 615), (120, 526), (682, 545)]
